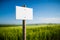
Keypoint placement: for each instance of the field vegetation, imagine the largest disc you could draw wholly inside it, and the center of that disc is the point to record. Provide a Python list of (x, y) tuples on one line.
[(33, 32)]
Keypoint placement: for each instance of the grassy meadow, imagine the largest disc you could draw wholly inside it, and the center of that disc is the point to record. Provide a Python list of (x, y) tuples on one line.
[(33, 32)]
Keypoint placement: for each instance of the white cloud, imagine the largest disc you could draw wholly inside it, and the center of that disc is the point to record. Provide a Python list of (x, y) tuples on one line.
[(49, 20)]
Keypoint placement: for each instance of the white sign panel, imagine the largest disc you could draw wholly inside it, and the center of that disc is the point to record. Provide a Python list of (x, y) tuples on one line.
[(24, 13)]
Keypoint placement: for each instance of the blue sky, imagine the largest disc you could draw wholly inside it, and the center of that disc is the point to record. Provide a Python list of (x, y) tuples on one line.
[(44, 11)]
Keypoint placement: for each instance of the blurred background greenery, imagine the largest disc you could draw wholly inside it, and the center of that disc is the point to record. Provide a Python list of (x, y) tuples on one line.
[(33, 32)]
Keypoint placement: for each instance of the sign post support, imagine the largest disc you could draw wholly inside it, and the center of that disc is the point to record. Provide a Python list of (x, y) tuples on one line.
[(24, 27), (24, 30)]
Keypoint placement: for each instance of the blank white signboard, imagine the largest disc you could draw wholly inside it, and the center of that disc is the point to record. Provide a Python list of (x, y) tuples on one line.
[(24, 13)]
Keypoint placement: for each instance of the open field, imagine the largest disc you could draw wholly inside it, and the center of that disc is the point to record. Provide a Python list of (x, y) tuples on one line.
[(33, 32)]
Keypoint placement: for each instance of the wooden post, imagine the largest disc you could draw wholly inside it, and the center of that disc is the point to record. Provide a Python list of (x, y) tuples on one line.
[(24, 27), (24, 30)]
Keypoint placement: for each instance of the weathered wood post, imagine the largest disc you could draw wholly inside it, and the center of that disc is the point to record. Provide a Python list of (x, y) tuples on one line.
[(24, 30), (24, 27)]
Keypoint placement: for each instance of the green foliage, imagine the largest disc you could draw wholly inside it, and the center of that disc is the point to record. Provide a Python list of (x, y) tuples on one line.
[(33, 32)]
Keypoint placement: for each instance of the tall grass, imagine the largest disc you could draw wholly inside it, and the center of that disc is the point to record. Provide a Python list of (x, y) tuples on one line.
[(33, 32)]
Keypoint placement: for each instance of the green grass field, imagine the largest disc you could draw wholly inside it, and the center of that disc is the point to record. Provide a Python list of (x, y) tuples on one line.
[(33, 32)]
